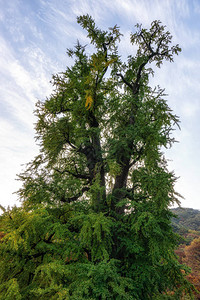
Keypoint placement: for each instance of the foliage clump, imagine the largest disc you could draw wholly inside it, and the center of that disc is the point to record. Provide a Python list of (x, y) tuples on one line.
[(95, 220)]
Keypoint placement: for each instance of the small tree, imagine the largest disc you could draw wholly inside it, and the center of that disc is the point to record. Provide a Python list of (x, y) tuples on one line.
[(95, 220)]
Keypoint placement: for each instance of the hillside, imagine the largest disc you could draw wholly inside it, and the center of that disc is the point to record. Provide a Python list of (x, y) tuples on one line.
[(187, 218), (186, 224)]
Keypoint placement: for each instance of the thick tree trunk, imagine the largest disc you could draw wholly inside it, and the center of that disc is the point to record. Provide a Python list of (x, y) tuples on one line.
[(121, 179), (120, 183), (95, 163)]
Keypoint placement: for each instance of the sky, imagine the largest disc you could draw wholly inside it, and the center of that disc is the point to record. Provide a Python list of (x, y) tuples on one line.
[(34, 36)]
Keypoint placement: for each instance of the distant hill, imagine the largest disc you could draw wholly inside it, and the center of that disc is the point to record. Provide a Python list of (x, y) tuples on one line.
[(187, 217), (186, 224)]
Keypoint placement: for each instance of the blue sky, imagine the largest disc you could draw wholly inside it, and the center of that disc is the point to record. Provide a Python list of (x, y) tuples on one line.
[(34, 36)]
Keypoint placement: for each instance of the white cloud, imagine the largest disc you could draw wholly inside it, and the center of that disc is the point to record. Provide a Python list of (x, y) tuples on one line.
[(17, 148), (20, 87), (191, 110)]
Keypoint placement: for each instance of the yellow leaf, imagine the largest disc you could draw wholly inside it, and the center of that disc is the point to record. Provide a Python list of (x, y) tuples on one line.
[(110, 62), (88, 102)]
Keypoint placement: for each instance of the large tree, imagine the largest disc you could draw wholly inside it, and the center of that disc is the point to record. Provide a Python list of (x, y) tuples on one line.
[(95, 220)]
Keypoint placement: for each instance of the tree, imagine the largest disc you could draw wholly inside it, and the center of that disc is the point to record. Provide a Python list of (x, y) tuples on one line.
[(95, 220)]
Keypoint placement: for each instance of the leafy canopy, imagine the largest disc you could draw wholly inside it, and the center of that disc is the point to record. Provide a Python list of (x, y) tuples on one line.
[(94, 221)]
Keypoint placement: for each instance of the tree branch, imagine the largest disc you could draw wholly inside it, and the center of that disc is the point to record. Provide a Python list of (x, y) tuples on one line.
[(80, 176), (66, 136), (125, 81), (72, 199)]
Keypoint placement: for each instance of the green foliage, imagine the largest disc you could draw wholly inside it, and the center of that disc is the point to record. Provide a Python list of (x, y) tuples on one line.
[(95, 220)]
